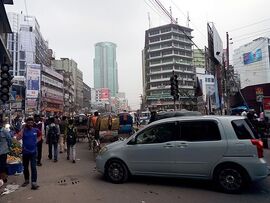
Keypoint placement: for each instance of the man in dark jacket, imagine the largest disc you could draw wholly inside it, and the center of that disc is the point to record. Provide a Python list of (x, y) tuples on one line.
[(71, 137), (52, 136), (30, 137)]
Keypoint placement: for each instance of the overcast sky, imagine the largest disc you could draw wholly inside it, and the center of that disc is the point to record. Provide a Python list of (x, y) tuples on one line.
[(73, 27)]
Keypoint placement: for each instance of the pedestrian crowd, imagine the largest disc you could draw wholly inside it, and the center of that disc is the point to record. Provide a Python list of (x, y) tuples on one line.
[(60, 135)]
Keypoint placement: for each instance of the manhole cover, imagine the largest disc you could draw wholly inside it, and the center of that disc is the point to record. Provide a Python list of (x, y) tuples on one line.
[(68, 181)]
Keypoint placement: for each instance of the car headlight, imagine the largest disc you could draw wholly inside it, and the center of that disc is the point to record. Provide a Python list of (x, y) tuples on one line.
[(103, 150)]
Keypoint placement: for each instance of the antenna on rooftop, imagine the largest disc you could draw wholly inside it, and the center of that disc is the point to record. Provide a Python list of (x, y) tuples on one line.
[(149, 20), (188, 19)]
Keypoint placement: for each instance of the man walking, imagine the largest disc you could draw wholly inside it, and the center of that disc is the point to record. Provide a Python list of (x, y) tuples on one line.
[(38, 125), (30, 137), (71, 137), (52, 136), (63, 128)]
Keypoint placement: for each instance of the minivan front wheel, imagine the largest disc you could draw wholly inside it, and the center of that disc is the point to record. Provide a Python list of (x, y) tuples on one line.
[(116, 171), (230, 179)]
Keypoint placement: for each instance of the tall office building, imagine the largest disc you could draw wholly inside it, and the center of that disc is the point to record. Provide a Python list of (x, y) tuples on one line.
[(105, 67), (168, 48), (26, 44)]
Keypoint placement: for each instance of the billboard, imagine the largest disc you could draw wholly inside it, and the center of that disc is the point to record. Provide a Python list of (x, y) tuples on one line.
[(215, 44), (218, 45), (252, 57), (32, 81), (266, 107), (105, 94)]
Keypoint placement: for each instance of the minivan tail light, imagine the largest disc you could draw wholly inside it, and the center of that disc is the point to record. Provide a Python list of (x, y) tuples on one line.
[(259, 145)]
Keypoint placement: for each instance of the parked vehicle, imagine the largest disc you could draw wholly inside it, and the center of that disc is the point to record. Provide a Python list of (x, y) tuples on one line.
[(222, 149)]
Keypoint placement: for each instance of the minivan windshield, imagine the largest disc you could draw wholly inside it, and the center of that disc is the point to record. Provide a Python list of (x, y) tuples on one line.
[(244, 129)]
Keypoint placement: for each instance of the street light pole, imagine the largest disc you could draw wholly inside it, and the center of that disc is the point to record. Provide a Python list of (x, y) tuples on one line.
[(227, 71)]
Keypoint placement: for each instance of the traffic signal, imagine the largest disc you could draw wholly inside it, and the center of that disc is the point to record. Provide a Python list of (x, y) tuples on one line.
[(174, 87), (5, 83)]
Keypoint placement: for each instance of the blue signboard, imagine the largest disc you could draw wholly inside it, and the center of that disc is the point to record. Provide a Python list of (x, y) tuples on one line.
[(252, 57)]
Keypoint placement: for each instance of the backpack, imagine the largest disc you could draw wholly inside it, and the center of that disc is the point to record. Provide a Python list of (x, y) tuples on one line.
[(53, 134), (71, 136), (62, 127)]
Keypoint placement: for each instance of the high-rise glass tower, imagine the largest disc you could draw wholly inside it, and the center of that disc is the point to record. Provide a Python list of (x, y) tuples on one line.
[(105, 67)]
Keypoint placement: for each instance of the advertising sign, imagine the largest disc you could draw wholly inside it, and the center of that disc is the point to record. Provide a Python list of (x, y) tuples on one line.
[(32, 81), (252, 57), (218, 45), (266, 107), (105, 94), (52, 81), (31, 105), (259, 94)]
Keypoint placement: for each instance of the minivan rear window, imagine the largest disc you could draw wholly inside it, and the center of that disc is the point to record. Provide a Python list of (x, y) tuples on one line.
[(243, 129)]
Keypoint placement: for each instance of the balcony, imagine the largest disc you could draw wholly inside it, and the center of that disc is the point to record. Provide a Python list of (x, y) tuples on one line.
[(160, 48), (186, 41), (160, 80), (171, 55), (160, 41), (160, 72), (161, 87)]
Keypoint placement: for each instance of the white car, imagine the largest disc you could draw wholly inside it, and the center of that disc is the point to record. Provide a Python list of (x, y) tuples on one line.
[(224, 149)]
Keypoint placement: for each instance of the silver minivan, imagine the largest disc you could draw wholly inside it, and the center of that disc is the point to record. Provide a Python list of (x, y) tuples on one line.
[(224, 149)]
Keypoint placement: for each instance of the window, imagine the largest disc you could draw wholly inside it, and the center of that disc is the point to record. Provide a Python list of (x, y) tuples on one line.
[(166, 37), (194, 131), (22, 54), (243, 129), (154, 32), (168, 29), (156, 39), (161, 133)]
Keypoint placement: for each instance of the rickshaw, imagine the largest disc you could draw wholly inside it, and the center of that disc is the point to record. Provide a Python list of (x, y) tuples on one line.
[(81, 122), (126, 123)]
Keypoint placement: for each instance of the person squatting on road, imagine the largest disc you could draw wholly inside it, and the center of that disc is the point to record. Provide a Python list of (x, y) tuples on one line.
[(38, 125), (5, 144), (30, 137), (63, 128), (71, 137), (52, 138)]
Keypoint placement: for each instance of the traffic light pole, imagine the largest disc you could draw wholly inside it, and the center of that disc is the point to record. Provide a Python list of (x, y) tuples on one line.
[(174, 103)]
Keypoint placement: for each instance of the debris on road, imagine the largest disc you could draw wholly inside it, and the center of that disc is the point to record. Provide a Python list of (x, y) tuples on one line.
[(9, 189)]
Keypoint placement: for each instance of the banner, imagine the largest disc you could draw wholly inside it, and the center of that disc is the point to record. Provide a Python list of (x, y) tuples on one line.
[(32, 81), (266, 107), (252, 57)]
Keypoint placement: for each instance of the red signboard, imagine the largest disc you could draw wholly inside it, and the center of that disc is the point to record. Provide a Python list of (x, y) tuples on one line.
[(266, 107), (105, 94), (266, 103)]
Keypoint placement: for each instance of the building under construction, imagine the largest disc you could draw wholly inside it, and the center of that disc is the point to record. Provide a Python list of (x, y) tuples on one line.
[(168, 48)]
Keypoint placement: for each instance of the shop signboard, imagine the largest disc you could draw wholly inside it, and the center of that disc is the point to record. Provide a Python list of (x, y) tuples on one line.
[(259, 94), (32, 81), (266, 107)]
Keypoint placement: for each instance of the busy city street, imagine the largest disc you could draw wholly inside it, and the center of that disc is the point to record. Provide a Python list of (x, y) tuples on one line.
[(80, 182), (144, 101)]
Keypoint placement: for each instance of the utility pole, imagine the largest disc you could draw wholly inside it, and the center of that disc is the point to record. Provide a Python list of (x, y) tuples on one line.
[(227, 71)]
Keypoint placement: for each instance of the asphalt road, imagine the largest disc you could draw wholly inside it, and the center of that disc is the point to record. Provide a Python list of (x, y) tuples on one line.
[(81, 183)]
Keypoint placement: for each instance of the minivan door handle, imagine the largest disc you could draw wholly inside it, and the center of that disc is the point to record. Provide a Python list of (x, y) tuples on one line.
[(168, 145), (182, 145)]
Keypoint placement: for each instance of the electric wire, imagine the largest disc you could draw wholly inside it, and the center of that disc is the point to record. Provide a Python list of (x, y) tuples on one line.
[(249, 25)]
